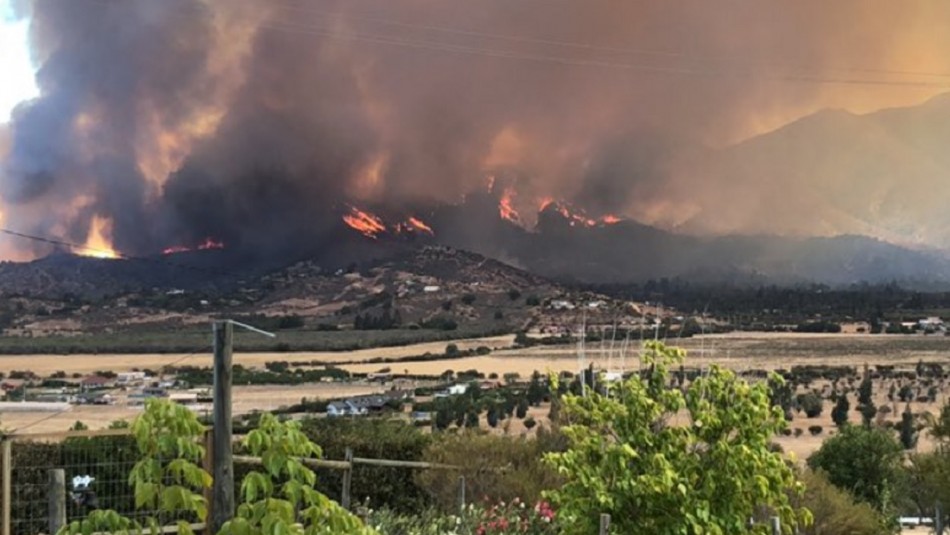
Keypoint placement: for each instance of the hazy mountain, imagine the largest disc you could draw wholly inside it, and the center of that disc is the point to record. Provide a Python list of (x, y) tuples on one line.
[(884, 174)]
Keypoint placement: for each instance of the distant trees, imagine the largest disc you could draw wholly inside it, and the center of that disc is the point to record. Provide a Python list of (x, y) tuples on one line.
[(389, 319), (908, 429), (839, 415)]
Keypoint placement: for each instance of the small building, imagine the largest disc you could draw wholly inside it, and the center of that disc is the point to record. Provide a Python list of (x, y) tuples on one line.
[(431, 289), (130, 378), (96, 382)]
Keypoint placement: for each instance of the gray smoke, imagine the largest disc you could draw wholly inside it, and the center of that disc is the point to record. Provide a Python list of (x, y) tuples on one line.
[(243, 120)]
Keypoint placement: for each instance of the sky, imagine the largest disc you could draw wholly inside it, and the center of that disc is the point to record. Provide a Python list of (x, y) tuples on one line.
[(18, 77)]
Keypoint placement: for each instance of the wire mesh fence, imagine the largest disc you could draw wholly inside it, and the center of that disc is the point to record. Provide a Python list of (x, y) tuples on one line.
[(106, 456)]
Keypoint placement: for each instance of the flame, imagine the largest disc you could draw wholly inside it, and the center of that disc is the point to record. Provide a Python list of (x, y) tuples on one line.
[(364, 222), (98, 243), (577, 217), (505, 209), (418, 224), (209, 243)]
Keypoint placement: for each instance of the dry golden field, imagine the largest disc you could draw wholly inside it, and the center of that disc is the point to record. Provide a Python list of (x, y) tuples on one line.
[(740, 352)]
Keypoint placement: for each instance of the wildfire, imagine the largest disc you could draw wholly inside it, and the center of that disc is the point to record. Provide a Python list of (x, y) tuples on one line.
[(209, 243), (98, 243), (415, 223), (577, 217), (364, 222), (505, 209)]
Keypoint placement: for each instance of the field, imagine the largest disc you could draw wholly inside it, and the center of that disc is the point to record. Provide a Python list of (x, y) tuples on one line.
[(740, 352)]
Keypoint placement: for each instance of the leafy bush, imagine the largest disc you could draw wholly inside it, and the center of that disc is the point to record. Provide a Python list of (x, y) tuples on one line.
[(497, 467)]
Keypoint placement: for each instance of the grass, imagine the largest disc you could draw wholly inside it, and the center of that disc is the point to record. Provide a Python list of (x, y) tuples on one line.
[(188, 340)]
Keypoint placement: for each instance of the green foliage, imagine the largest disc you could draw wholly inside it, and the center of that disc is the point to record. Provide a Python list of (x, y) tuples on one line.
[(865, 462), (281, 499), (811, 403), (928, 474), (839, 414), (167, 479), (835, 511), (707, 476), (496, 467), (376, 439), (908, 429), (468, 298)]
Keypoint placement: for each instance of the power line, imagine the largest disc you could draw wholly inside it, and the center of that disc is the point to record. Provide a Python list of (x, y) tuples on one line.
[(344, 16), (310, 29), (315, 28), (107, 392), (113, 254)]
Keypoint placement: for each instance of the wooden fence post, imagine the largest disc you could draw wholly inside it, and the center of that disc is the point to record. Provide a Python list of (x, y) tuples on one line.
[(7, 475), (462, 495), (604, 524), (776, 525), (57, 499), (347, 479), (222, 507), (208, 464)]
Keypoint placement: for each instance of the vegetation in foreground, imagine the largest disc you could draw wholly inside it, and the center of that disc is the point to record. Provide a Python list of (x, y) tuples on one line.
[(657, 454)]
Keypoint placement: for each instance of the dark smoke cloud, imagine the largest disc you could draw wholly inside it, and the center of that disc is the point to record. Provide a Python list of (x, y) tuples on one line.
[(312, 104)]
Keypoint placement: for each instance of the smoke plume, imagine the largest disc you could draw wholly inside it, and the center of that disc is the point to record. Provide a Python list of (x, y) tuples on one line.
[(255, 122)]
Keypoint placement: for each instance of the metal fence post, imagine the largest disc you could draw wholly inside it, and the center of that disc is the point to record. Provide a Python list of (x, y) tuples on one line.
[(604, 524), (938, 519), (7, 475), (776, 525), (347, 479), (57, 499)]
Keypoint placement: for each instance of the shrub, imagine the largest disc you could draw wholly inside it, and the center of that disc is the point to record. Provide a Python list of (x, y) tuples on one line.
[(524, 474), (815, 430)]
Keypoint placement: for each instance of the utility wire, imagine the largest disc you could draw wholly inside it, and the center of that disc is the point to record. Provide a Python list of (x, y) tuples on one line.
[(107, 392), (301, 25), (116, 254), (348, 16)]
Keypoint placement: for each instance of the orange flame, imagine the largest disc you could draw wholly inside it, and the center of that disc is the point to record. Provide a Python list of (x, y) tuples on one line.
[(366, 223), (420, 225), (505, 209), (209, 243), (99, 242), (577, 217)]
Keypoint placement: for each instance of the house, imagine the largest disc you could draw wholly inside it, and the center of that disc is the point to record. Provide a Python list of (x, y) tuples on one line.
[(431, 289), (361, 405), (931, 324), (561, 304), (130, 378), (96, 382)]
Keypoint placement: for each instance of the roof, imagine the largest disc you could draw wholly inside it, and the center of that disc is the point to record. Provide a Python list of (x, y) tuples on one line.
[(96, 380)]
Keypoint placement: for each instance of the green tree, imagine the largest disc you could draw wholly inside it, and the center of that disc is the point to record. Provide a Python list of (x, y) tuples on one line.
[(865, 461), (908, 429), (811, 403), (835, 510), (709, 475), (928, 474), (281, 498), (839, 414)]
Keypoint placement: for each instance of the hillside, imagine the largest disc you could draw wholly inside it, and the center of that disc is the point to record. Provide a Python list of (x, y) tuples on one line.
[(426, 288)]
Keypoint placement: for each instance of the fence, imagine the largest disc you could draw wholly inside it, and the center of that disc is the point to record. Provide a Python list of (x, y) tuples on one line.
[(37, 469)]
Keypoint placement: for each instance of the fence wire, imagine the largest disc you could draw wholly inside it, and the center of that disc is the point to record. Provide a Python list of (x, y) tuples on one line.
[(108, 459)]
